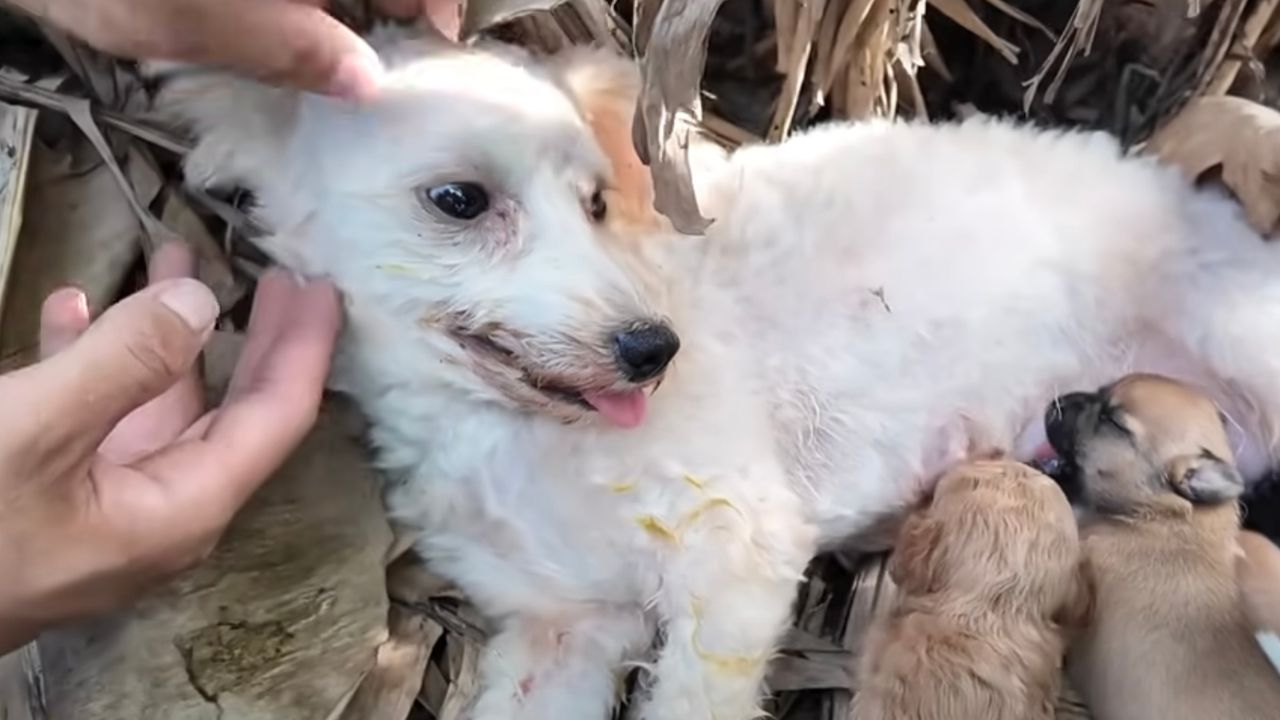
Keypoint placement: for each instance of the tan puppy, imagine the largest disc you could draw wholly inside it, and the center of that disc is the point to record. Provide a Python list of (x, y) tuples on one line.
[(1258, 571), (989, 579), (1149, 460)]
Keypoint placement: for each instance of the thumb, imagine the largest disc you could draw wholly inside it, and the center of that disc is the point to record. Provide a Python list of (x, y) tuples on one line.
[(289, 42), (138, 349)]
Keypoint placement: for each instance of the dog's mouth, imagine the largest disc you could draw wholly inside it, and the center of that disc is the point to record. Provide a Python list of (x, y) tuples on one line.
[(1057, 458), (548, 390)]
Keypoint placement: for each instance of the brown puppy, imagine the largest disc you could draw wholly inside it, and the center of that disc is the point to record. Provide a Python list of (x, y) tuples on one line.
[(1149, 460), (1258, 571), (989, 575)]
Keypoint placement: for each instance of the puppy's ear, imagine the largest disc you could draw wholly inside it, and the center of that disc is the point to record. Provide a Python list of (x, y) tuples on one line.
[(1204, 479), (1077, 612), (912, 563), (605, 87), (239, 126)]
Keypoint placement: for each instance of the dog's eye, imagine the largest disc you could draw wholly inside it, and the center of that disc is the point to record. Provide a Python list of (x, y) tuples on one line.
[(461, 200), (1110, 416), (598, 207)]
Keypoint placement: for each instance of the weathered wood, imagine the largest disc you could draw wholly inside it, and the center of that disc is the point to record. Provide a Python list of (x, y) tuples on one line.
[(281, 623), (17, 126)]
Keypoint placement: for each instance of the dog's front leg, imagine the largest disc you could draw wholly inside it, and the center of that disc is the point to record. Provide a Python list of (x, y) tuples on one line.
[(725, 604), (565, 668)]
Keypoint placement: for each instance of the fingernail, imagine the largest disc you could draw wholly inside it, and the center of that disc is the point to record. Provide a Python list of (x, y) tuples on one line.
[(356, 78), (192, 301)]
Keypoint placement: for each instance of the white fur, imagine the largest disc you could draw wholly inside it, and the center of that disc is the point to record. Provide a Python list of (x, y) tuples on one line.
[(873, 303)]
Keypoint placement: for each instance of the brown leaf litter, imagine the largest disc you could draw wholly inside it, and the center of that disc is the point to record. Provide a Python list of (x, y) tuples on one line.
[(310, 608)]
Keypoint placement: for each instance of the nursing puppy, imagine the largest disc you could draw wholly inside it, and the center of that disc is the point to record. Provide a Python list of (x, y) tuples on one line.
[(605, 432), (990, 584), (1149, 462)]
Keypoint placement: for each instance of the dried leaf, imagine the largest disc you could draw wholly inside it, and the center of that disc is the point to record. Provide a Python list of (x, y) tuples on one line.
[(17, 127), (670, 106), (465, 678), (803, 672), (19, 91), (78, 230), (155, 231), (796, 65), (214, 270), (21, 694), (280, 623), (389, 690), (1239, 136), (483, 14), (963, 15)]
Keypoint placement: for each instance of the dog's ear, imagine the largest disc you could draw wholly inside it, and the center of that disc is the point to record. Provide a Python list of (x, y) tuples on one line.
[(1204, 479), (1077, 611), (239, 126), (605, 87), (912, 563)]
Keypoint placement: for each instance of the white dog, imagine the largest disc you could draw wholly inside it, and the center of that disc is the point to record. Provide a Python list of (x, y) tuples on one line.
[(606, 431)]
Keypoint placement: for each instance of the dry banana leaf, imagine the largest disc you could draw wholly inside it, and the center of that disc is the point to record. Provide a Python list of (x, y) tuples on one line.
[(670, 106), (1241, 138), (17, 127), (483, 14), (963, 15)]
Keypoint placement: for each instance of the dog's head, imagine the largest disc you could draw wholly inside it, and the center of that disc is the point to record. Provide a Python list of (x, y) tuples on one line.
[(487, 208), (1000, 534), (1142, 443)]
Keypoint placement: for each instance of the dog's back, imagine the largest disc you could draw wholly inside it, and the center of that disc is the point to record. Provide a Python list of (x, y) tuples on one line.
[(989, 580), (924, 666), (1170, 639)]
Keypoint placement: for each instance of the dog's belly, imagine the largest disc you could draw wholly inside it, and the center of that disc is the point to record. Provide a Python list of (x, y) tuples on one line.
[(902, 331)]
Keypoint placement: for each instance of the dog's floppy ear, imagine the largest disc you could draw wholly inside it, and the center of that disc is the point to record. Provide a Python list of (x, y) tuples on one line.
[(1204, 479), (239, 126), (912, 563), (605, 87)]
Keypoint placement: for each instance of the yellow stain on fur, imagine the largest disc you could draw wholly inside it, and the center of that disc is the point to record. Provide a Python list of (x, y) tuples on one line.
[(623, 487), (399, 269), (725, 663), (695, 481), (657, 528)]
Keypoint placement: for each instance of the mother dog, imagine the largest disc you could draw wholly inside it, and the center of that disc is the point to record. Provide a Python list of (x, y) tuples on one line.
[(607, 432)]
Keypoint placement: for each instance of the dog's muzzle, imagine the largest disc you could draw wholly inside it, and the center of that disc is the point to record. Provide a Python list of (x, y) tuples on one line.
[(1062, 426), (1062, 419)]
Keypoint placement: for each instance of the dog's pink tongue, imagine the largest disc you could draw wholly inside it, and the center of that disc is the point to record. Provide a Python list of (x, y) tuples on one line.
[(624, 409), (1045, 452)]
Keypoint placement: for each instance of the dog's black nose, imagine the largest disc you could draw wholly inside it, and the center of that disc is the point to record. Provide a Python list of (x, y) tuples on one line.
[(645, 350), (1060, 421)]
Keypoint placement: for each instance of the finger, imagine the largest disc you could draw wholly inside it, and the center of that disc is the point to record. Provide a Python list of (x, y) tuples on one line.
[(267, 320), (285, 42), (272, 405), (63, 318), (446, 15), (136, 350), (160, 421)]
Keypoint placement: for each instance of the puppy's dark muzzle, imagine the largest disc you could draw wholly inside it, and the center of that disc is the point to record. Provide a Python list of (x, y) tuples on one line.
[(1062, 421)]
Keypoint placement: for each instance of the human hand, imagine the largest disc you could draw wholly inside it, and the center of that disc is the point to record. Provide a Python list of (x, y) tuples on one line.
[(112, 475), (288, 42)]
